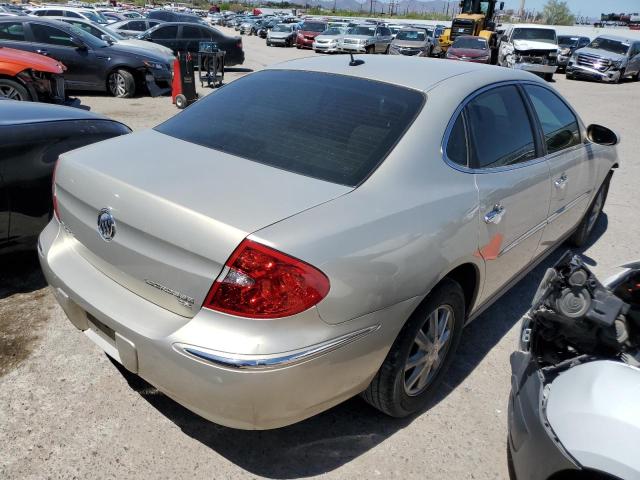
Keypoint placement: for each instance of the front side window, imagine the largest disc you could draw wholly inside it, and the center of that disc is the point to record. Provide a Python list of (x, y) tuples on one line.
[(356, 122), (168, 33), (559, 124), (191, 32), (51, 35), (12, 31), (500, 130)]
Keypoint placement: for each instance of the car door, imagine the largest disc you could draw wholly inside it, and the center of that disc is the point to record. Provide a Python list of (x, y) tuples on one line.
[(166, 35), (191, 36), (512, 178), (83, 69), (572, 176), (634, 58)]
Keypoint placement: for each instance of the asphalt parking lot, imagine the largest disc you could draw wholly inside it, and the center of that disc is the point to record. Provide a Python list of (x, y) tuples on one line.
[(67, 411)]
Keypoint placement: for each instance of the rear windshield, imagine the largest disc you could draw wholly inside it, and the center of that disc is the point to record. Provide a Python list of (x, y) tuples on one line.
[(331, 127)]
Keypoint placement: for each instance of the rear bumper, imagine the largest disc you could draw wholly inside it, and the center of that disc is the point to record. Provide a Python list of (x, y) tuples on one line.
[(188, 359)]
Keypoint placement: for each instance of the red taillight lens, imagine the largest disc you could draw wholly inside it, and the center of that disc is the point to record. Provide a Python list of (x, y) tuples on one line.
[(265, 283), (56, 213)]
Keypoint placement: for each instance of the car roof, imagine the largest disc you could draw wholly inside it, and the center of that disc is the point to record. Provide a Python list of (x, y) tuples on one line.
[(17, 113), (417, 73)]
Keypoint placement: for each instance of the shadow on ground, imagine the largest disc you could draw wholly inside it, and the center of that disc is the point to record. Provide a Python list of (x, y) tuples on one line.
[(335, 437), (20, 273)]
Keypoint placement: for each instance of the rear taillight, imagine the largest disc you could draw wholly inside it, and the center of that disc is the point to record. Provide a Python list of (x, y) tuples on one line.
[(239, 44), (56, 213), (264, 283)]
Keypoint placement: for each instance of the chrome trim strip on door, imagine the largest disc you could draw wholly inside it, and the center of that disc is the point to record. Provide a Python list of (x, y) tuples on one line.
[(523, 237), (543, 224), (568, 206), (265, 362)]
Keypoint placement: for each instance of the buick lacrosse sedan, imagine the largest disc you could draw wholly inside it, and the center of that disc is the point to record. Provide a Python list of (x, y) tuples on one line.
[(259, 273)]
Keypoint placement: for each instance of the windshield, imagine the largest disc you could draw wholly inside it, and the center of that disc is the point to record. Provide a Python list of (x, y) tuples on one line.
[(546, 35), (313, 27), (262, 109), (333, 31), (565, 41), (282, 28), (368, 31), (95, 16), (609, 45), (412, 35), (473, 43)]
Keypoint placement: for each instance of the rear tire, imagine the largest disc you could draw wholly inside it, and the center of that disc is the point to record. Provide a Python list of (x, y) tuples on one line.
[(548, 77), (582, 233), (13, 90), (121, 84), (570, 76), (421, 354), (369, 50)]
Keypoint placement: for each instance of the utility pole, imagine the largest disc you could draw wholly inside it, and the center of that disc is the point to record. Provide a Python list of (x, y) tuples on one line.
[(521, 11), (371, 7)]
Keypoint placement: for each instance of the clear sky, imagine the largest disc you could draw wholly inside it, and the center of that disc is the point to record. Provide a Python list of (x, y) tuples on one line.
[(588, 8)]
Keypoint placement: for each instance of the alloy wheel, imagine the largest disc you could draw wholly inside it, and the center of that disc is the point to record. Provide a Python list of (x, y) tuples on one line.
[(11, 93), (117, 84), (430, 347)]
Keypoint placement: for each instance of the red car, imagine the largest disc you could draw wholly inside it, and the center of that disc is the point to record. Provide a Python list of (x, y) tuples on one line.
[(470, 49), (30, 77), (307, 32)]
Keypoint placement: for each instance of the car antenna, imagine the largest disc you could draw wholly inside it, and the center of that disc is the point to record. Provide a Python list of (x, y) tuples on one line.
[(354, 62)]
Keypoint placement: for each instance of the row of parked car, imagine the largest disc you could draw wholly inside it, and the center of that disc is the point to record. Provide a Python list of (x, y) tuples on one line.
[(134, 55)]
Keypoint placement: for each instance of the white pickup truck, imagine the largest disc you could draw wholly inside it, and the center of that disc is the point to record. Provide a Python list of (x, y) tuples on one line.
[(531, 48)]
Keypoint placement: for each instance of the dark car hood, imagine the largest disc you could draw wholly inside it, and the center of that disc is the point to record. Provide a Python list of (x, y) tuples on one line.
[(140, 53), (468, 52)]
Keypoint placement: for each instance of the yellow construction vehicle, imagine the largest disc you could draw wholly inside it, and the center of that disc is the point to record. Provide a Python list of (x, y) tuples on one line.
[(475, 18)]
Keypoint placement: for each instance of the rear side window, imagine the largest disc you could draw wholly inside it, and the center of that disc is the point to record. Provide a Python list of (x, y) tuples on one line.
[(136, 25), (169, 32), (500, 129), (12, 31), (331, 127), (72, 14), (191, 32), (457, 150), (559, 124)]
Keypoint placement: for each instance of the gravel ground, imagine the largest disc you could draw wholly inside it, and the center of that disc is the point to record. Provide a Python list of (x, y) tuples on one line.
[(67, 411)]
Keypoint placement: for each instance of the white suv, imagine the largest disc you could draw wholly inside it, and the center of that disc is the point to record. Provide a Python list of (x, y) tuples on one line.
[(84, 13)]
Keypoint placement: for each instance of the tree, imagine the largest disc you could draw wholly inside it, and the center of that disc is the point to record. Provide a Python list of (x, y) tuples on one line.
[(556, 12)]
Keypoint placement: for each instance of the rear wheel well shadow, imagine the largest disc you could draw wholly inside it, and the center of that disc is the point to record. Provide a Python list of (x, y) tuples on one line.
[(467, 276)]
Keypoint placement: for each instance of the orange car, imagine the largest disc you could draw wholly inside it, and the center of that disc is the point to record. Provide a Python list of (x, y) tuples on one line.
[(30, 76)]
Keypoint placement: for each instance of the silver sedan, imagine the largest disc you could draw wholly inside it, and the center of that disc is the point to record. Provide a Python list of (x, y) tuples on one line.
[(258, 272)]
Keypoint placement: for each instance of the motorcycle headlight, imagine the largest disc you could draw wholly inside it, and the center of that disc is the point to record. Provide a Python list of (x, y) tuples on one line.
[(153, 65)]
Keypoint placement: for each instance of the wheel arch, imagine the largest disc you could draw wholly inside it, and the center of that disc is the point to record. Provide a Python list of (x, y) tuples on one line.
[(137, 75), (467, 275), (29, 88)]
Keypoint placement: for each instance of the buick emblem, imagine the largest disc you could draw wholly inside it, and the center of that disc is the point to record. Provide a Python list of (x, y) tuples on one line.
[(106, 225)]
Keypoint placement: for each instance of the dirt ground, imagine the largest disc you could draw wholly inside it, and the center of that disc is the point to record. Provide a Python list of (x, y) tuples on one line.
[(67, 411)]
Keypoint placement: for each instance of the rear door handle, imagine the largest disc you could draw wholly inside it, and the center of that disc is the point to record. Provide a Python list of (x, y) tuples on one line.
[(561, 182), (42, 52), (495, 215)]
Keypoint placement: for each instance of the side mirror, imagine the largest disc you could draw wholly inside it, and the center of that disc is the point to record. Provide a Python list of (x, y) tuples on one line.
[(602, 135), (106, 38)]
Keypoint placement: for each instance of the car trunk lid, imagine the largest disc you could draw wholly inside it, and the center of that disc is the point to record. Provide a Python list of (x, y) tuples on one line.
[(180, 210)]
